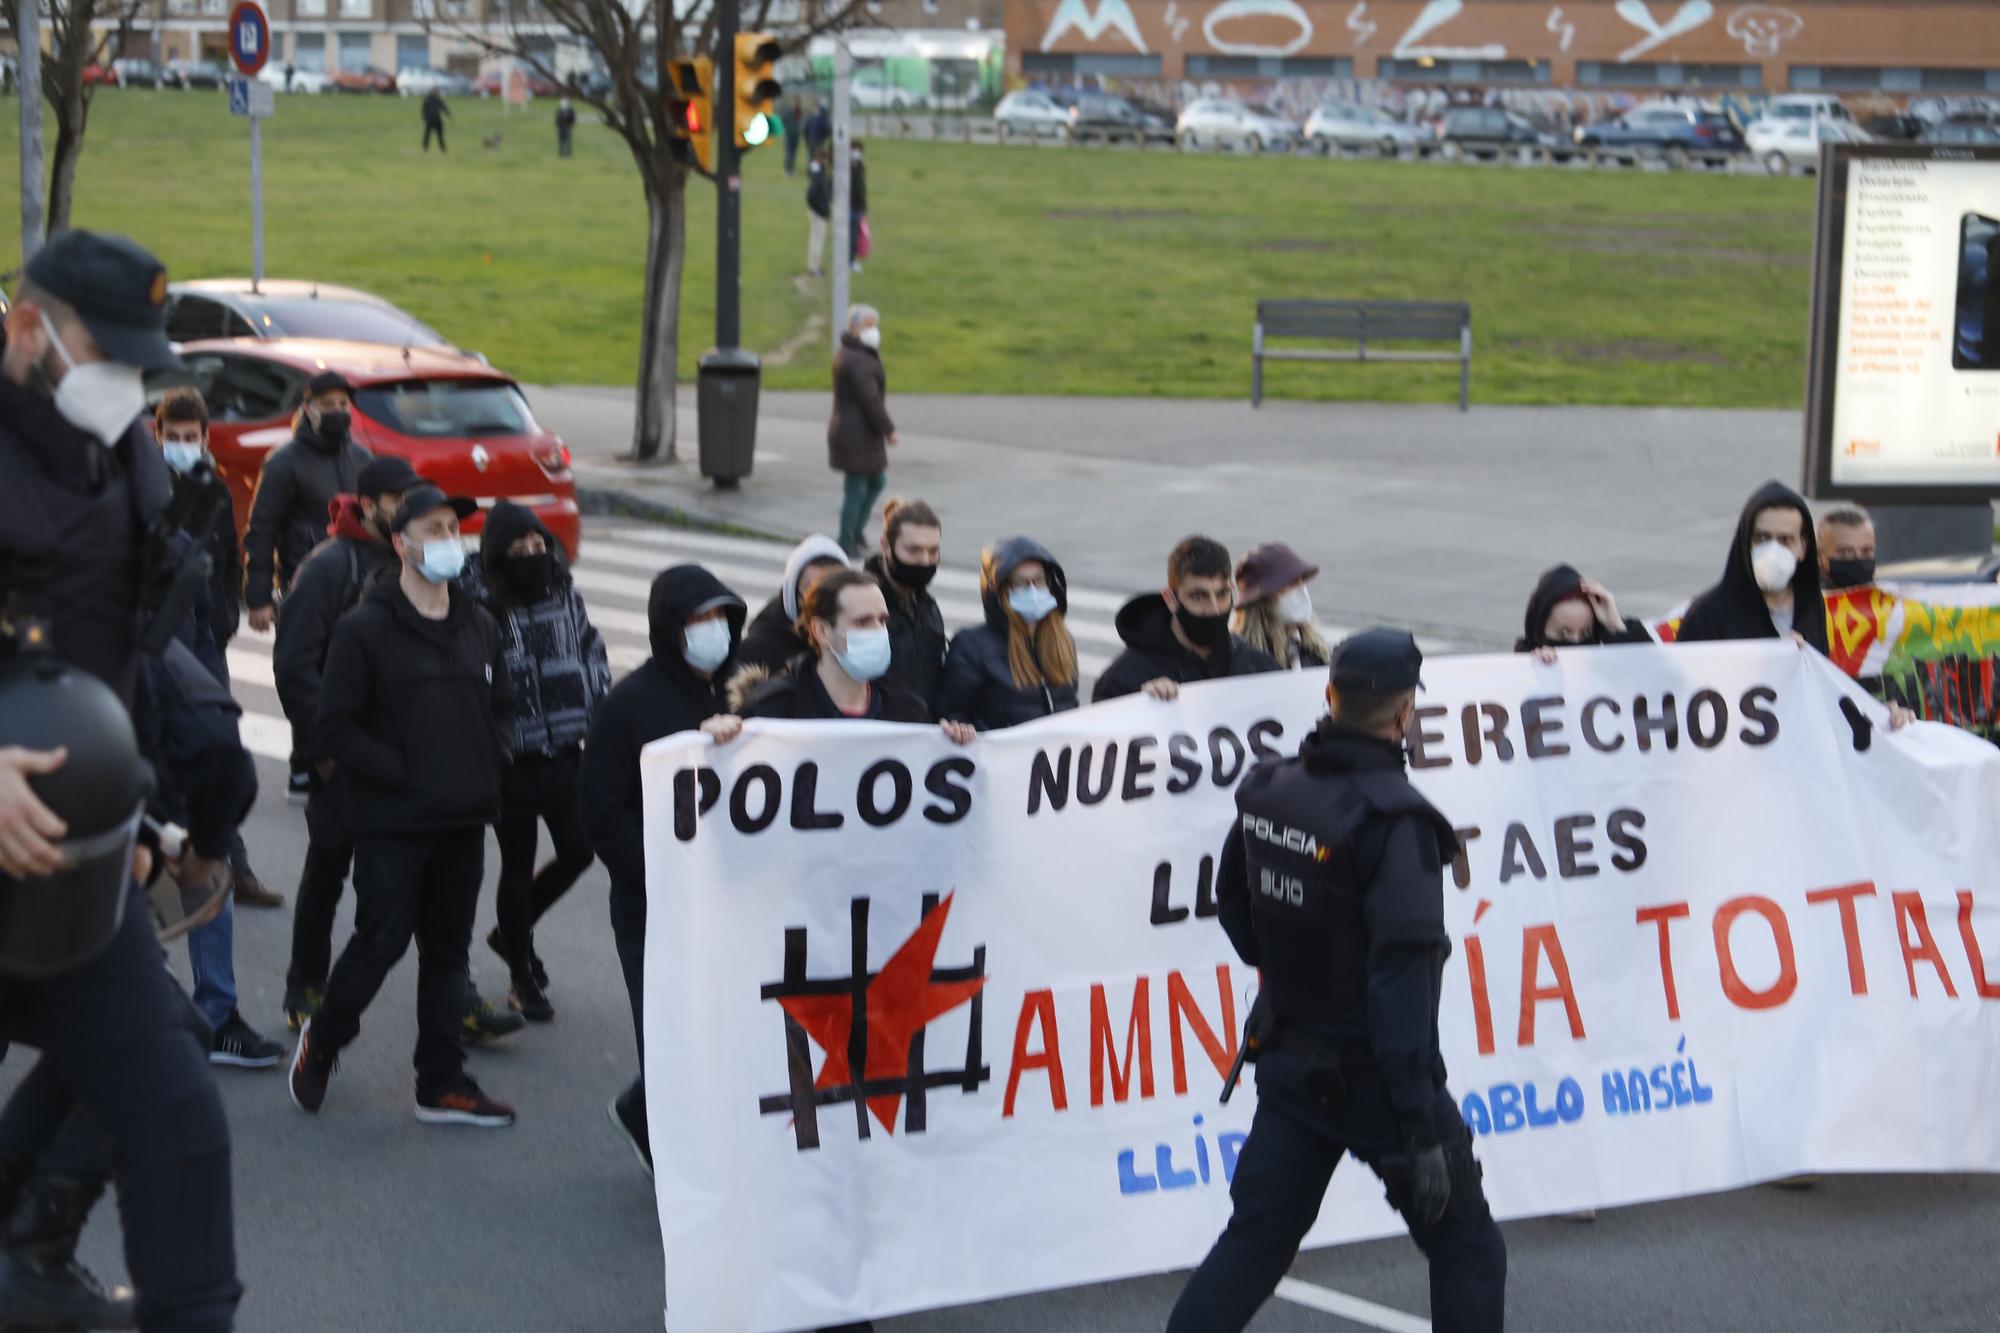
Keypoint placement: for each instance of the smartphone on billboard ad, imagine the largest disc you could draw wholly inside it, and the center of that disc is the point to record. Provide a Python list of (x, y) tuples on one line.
[(1975, 343)]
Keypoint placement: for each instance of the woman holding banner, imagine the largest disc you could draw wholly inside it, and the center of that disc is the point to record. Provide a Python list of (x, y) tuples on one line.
[(1020, 664)]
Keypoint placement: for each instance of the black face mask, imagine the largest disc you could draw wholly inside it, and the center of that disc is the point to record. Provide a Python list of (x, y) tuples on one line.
[(333, 425), (1203, 631), (530, 575), (915, 577), (1850, 573)]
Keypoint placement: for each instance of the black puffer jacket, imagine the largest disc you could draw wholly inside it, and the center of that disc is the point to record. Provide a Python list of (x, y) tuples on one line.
[(1152, 651), (326, 588), (978, 681), (414, 713), (288, 514), (916, 636), (663, 696), (797, 692)]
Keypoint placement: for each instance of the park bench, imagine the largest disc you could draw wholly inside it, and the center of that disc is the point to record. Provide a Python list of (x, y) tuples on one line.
[(1362, 323)]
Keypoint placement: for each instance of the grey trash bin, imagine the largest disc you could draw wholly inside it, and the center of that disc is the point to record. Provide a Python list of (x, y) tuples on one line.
[(726, 403)]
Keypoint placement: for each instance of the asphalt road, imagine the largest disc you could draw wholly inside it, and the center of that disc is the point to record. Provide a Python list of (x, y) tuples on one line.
[(362, 1218)]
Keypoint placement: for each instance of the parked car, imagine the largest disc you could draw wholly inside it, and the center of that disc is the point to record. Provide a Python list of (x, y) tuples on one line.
[(370, 80), (1895, 128), (1488, 129), (1101, 116), (311, 81), (136, 73), (102, 76), (281, 308), (1963, 133), (1805, 106), (1345, 125), (1675, 132), (416, 81), (1215, 122), (460, 423), (872, 90), (1031, 114), (185, 74), (1785, 146)]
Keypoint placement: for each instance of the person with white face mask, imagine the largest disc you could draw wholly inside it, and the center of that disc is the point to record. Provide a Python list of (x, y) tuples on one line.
[(1274, 609), (861, 432), (1021, 663)]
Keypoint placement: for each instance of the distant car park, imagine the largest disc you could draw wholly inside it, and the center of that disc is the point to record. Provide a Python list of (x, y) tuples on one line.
[(136, 73), (1219, 123), (1099, 116), (422, 82), (189, 74), (304, 81), (285, 308), (1676, 133), (1785, 146), (1340, 125), (370, 80), (1487, 130), (1030, 114)]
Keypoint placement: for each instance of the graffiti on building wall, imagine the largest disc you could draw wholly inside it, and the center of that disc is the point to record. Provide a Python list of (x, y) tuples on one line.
[(1441, 29)]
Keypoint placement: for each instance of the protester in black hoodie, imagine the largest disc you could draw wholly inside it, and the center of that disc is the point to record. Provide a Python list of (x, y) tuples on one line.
[(559, 671), (1181, 633), (1020, 664), (695, 624), (415, 710), (299, 480), (1568, 610), (1770, 585), (912, 545), (772, 638)]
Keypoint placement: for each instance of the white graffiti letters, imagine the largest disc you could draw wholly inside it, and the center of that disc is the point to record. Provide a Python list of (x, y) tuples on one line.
[(1764, 28), (1360, 24), (1434, 15), (1243, 9), (1109, 16), (1564, 30), (1691, 15)]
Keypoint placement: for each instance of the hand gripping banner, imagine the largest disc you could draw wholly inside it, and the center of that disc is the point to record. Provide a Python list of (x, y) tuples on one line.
[(929, 1024)]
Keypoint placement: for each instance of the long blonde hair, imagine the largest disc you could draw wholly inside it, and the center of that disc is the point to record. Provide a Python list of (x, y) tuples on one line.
[(1262, 627), (1047, 641)]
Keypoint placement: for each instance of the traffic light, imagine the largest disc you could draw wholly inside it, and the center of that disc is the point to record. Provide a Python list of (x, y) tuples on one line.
[(690, 112), (757, 89)]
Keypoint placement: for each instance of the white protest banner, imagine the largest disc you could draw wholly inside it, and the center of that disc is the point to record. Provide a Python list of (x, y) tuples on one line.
[(929, 1024)]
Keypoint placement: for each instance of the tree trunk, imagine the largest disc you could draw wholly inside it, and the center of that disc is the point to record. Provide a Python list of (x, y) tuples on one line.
[(71, 113), (660, 344)]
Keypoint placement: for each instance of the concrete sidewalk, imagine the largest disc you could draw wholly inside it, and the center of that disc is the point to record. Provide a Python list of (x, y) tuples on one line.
[(1419, 515)]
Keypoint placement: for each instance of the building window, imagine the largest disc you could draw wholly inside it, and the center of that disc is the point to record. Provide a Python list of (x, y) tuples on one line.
[(1643, 74), (1061, 65), (1268, 67), (354, 51), (413, 51), (215, 8), (309, 9), (309, 51), (1892, 79), (1428, 70), (356, 9)]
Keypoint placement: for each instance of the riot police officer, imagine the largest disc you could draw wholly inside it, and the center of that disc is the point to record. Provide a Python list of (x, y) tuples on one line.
[(80, 489), (1331, 884)]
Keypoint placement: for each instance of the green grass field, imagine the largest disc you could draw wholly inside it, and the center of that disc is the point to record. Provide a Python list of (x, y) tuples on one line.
[(1004, 271)]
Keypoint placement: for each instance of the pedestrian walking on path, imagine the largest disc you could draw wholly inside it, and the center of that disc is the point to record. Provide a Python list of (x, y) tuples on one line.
[(565, 129), (858, 436)]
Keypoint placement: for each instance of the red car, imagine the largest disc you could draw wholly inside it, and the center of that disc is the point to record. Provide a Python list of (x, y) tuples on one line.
[(370, 80), (460, 422), (100, 74)]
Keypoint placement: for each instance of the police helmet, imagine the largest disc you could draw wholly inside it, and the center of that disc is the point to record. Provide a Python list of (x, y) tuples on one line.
[(51, 923)]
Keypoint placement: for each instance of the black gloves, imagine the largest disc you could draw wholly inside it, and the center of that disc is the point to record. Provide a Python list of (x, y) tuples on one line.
[(1430, 1184)]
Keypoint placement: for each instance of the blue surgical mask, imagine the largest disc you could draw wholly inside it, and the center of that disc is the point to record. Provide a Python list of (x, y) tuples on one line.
[(1031, 603), (707, 644), (444, 560), (181, 457), (867, 653)]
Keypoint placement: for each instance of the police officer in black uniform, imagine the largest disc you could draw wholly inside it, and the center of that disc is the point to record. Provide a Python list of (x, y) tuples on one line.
[(1331, 884), (80, 486)]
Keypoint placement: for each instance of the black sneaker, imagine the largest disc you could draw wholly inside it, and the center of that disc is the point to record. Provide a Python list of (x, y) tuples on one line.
[(541, 974), (298, 786), (312, 1070), (301, 1005), (529, 1000), (464, 1104), (483, 1023), (630, 1122), (242, 1046)]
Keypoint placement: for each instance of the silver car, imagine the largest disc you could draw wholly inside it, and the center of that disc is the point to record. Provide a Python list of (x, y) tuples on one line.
[(1344, 125), (1215, 123), (1032, 115)]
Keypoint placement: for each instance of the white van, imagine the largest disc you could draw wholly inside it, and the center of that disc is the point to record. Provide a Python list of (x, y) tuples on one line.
[(1805, 106)]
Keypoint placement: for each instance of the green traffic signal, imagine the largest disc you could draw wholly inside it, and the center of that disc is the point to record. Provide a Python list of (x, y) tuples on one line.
[(758, 130)]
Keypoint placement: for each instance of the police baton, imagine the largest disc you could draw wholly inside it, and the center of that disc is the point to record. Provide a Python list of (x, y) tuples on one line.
[(1256, 1031)]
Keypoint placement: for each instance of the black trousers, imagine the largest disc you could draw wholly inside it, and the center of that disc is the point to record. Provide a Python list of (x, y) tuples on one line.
[(628, 932), (329, 856), (437, 128), (539, 789), (422, 886), (1281, 1177), (119, 1037)]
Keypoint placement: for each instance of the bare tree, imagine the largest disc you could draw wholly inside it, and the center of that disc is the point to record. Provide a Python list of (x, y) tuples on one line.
[(81, 33), (632, 40)]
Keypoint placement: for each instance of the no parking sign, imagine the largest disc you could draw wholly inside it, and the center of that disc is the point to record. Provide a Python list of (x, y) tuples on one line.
[(249, 37)]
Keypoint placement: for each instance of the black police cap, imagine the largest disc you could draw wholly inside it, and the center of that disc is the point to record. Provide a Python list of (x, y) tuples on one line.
[(388, 473), (423, 499), (117, 289), (1384, 661)]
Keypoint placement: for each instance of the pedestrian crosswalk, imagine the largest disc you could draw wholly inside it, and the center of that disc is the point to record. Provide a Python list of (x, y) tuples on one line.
[(615, 574)]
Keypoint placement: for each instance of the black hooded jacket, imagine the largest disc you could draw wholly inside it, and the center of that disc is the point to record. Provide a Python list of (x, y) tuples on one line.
[(556, 659), (798, 693), (771, 640), (326, 587), (288, 513), (1152, 651), (414, 713), (1557, 585), (916, 635), (1735, 607), (661, 697), (978, 680)]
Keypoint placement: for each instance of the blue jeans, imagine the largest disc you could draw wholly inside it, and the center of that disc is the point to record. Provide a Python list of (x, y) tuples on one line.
[(212, 959)]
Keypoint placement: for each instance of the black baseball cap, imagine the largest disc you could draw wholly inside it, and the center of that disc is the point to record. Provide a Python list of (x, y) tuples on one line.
[(425, 498), (326, 382), (380, 476), (1383, 661), (117, 289)]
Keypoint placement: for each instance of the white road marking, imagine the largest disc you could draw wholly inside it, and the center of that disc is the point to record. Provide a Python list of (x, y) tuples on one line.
[(1353, 1308)]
